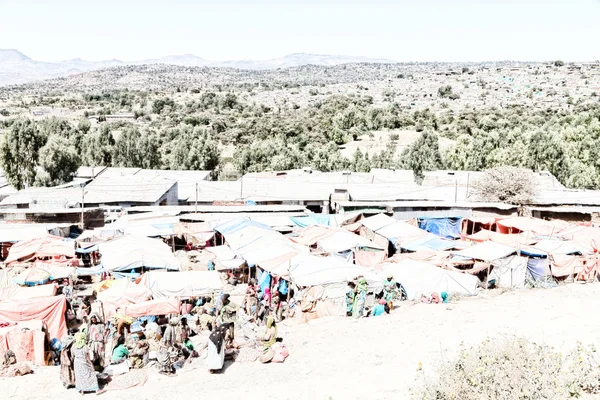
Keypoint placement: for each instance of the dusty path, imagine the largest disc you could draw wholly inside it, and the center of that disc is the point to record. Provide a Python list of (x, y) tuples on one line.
[(374, 358)]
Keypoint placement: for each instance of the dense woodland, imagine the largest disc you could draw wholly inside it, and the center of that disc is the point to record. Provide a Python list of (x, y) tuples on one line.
[(188, 127)]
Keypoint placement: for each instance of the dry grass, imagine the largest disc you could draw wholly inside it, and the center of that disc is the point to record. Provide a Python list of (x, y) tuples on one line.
[(513, 368)]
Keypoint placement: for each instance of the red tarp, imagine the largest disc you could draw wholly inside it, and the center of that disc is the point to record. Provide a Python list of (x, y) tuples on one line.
[(50, 310), (162, 306), (47, 246), (528, 224)]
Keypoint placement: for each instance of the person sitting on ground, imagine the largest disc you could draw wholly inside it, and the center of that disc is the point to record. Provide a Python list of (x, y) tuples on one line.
[(206, 320), (269, 339), (120, 352), (381, 308), (139, 354)]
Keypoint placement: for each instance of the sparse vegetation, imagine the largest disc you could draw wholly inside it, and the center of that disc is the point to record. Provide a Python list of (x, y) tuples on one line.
[(513, 368)]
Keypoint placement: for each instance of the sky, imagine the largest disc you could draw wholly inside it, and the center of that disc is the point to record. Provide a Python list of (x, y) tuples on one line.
[(419, 30)]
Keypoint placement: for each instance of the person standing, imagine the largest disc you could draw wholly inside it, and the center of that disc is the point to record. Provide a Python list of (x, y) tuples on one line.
[(96, 337), (350, 295), (85, 376), (389, 291), (67, 371), (217, 341), (360, 299)]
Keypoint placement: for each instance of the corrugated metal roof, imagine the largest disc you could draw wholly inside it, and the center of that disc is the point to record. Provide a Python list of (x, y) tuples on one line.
[(127, 189), (186, 180)]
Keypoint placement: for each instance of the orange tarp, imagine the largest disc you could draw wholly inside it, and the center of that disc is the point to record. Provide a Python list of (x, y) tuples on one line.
[(162, 306), (46, 246), (50, 310)]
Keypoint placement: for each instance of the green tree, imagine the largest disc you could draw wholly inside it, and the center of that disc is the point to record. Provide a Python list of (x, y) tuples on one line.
[(423, 155), (59, 162), (19, 152)]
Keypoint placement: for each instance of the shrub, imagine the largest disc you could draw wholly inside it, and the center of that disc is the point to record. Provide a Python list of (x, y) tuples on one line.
[(513, 368)]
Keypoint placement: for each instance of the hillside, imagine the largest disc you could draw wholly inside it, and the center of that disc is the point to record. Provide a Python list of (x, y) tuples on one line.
[(16, 68), (420, 116)]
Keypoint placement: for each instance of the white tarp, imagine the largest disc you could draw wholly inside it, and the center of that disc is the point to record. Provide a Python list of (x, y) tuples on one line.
[(17, 234), (401, 231), (343, 240), (127, 252), (419, 278), (221, 252), (182, 284), (377, 222), (510, 272), (551, 246), (487, 251), (331, 273)]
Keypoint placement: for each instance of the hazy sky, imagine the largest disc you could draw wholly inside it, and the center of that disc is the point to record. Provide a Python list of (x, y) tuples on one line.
[(419, 30)]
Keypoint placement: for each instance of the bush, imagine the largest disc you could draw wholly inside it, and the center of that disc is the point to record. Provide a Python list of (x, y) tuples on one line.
[(559, 63), (513, 368)]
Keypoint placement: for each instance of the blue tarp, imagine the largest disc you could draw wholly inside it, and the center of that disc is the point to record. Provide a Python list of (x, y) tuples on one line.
[(448, 227), (537, 268), (531, 252), (238, 224), (250, 202), (429, 243), (264, 281), (309, 220)]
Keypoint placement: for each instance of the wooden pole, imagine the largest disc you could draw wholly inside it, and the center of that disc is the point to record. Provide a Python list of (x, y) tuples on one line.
[(82, 205), (196, 208)]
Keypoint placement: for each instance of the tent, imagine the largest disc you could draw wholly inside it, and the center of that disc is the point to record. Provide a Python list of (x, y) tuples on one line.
[(510, 272), (121, 294), (127, 252), (419, 278), (529, 224), (45, 246), (332, 273), (429, 243), (487, 251), (182, 284), (51, 310)]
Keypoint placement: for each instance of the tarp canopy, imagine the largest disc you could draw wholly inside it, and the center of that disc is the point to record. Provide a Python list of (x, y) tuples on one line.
[(122, 293), (448, 227), (529, 224), (376, 222), (18, 234), (182, 284), (552, 246), (420, 278), (221, 252), (162, 306), (429, 243), (514, 240), (331, 273), (402, 231), (18, 292), (45, 246), (314, 219), (51, 310), (487, 251), (127, 252), (584, 235)]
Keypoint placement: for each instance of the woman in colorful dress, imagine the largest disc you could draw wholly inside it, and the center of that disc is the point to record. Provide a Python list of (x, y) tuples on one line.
[(358, 307), (85, 376)]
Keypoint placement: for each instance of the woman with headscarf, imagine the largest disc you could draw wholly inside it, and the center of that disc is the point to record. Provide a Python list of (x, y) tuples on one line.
[(85, 377), (361, 297), (268, 340), (67, 372), (217, 342), (96, 337), (170, 336)]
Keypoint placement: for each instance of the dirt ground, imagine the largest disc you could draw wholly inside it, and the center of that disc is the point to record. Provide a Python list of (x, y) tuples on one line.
[(372, 358)]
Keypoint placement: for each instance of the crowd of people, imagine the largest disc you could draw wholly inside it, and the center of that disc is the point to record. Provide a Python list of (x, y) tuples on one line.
[(356, 297), (97, 349)]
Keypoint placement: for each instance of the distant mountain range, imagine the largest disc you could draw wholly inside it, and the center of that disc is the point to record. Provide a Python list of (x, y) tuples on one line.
[(16, 68)]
